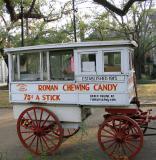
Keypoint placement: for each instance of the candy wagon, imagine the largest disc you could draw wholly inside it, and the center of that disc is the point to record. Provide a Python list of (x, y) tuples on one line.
[(53, 88)]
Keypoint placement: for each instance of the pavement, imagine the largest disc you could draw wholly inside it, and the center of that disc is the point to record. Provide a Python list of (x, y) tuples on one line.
[(76, 148)]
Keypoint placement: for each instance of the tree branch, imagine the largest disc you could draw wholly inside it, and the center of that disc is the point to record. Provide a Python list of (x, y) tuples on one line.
[(31, 7), (120, 12), (32, 13), (10, 9)]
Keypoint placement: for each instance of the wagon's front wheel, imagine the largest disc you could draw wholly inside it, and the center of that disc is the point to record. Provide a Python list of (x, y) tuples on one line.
[(36, 127), (120, 137)]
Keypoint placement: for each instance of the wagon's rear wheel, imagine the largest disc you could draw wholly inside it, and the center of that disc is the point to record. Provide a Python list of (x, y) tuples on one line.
[(36, 127), (120, 137)]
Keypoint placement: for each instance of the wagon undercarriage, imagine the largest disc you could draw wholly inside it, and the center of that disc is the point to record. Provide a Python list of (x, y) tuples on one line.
[(121, 133)]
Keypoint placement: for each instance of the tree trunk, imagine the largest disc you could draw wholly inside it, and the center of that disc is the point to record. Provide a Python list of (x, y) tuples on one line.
[(138, 70), (137, 65)]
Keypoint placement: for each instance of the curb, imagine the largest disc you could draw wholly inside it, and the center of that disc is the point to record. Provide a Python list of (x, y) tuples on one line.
[(148, 104), (6, 107)]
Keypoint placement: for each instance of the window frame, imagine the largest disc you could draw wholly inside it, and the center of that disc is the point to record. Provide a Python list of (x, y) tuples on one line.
[(19, 68), (40, 52), (131, 59), (111, 51), (48, 64), (100, 60), (79, 61)]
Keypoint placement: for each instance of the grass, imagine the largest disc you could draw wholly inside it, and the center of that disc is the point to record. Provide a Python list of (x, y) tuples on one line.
[(4, 98), (145, 92)]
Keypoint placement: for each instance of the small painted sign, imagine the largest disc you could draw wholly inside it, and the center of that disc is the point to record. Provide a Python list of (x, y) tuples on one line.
[(106, 78)]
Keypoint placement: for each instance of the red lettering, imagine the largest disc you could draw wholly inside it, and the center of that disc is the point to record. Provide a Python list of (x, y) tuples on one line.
[(37, 98), (76, 87), (44, 97), (53, 87), (95, 87), (28, 97), (51, 97), (105, 87), (39, 87)]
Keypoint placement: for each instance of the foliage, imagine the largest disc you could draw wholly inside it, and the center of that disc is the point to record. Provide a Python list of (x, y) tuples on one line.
[(136, 25), (37, 16)]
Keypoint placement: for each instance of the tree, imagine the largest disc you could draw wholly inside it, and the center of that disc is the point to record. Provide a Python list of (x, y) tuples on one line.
[(101, 28), (34, 13), (137, 25), (33, 9)]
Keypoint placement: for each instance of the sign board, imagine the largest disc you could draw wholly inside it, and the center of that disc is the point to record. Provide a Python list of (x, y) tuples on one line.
[(69, 93), (102, 78)]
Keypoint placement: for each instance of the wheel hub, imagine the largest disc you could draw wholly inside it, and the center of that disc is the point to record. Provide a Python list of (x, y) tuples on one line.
[(39, 132), (120, 138)]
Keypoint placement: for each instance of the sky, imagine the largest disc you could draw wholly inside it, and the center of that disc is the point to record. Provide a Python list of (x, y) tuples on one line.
[(83, 7)]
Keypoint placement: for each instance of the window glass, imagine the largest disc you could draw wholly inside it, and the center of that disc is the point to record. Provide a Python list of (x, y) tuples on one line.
[(30, 66), (88, 62), (61, 65), (112, 62)]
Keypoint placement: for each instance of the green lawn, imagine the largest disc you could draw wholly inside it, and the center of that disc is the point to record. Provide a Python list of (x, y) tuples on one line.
[(145, 92), (4, 98)]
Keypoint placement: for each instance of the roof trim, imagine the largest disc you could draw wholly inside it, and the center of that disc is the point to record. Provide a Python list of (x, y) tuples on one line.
[(73, 45)]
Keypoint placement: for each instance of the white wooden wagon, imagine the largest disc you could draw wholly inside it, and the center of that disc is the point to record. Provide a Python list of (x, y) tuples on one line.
[(53, 88)]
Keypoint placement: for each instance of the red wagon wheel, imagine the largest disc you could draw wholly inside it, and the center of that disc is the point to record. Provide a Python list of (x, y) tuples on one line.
[(36, 127), (120, 137)]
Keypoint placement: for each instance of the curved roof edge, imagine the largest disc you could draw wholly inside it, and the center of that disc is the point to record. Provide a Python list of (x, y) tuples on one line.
[(73, 45)]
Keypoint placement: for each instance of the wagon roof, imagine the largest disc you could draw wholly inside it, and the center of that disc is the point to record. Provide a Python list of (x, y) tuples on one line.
[(57, 46)]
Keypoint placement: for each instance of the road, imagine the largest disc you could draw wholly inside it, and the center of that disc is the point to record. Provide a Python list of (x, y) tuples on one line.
[(76, 148)]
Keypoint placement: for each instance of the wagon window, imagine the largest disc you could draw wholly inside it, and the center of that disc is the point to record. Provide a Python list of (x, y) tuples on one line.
[(61, 65), (88, 62), (30, 66), (112, 62)]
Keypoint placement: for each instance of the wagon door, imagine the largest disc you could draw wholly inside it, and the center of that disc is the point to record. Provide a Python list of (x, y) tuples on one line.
[(101, 75)]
